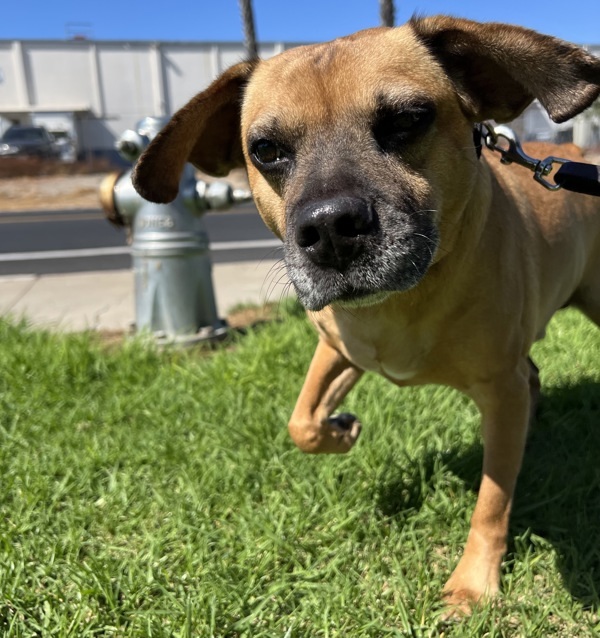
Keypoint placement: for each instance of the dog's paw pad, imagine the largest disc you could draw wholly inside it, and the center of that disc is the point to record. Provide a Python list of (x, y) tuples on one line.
[(343, 421), (345, 428)]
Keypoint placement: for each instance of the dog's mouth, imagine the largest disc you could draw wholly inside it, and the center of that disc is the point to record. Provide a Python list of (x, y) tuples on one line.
[(316, 290), (361, 298), (353, 269)]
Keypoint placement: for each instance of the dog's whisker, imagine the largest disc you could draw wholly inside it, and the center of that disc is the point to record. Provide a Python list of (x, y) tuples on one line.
[(272, 273), (275, 283)]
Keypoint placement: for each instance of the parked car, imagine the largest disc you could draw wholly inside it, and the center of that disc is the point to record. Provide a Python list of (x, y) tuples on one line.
[(65, 146), (28, 141)]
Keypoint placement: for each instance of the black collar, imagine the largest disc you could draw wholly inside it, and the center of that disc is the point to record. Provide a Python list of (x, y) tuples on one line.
[(478, 139)]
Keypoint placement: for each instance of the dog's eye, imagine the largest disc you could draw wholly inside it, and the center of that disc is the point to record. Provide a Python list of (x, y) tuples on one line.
[(407, 121), (393, 129), (268, 154)]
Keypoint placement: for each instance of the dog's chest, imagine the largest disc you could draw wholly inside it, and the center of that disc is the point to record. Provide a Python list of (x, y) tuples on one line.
[(393, 349), (399, 360)]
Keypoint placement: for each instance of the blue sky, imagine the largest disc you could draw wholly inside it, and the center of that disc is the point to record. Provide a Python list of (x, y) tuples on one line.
[(292, 20)]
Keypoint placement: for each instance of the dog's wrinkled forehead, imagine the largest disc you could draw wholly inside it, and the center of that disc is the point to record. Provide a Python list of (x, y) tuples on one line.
[(314, 84)]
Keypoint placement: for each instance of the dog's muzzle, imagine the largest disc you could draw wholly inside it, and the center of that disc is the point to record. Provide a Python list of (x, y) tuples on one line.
[(348, 250)]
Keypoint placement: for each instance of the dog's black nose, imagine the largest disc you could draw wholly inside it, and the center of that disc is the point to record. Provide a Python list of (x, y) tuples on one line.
[(332, 232)]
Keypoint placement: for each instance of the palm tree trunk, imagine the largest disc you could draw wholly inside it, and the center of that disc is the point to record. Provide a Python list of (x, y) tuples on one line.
[(386, 9), (249, 31)]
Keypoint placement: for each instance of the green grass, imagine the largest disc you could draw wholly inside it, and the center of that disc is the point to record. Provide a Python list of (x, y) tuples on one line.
[(158, 494)]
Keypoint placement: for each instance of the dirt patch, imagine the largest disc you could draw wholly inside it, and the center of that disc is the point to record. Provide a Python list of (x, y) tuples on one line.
[(70, 191), (39, 167), (250, 316), (49, 192), (239, 320)]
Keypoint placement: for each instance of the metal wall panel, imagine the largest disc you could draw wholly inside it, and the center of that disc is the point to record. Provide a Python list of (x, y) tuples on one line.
[(126, 83), (58, 74), (10, 94), (230, 54), (187, 69)]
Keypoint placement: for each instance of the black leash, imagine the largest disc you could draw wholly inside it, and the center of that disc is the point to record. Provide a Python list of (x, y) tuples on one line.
[(579, 177), (572, 176)]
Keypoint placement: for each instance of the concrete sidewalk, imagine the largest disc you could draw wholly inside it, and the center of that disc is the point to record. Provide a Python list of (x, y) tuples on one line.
[(105, 300)]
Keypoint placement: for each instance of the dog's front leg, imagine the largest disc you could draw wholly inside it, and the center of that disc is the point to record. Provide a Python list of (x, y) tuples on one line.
[(330, 377), (505, 405)]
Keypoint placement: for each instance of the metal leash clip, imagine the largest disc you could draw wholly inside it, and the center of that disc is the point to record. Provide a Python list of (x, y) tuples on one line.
[(493, 136)]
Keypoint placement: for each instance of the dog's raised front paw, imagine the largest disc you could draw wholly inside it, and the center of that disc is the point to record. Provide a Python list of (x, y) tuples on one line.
[(335, 435)]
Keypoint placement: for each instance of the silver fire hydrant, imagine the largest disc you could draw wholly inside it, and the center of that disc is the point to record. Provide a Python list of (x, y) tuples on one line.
[(174, 296)]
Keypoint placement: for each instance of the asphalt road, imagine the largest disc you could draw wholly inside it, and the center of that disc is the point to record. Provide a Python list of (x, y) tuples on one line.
[(82, 240)]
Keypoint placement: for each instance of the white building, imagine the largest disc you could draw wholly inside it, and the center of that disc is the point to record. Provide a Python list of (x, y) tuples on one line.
[(93, 91)]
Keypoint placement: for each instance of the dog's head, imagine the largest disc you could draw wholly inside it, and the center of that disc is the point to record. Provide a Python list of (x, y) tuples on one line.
[(359, 151)]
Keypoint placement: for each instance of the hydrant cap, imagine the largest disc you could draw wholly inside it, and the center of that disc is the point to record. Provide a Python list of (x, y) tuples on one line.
[(107, 198)]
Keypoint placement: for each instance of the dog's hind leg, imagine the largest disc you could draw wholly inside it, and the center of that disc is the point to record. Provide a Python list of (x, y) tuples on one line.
[(330, 377)]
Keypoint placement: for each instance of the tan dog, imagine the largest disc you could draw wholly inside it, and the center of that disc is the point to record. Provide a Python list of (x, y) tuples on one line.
[(415, 258)]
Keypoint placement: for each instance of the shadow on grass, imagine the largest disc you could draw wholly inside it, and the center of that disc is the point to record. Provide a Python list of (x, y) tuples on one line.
[(558, 492)]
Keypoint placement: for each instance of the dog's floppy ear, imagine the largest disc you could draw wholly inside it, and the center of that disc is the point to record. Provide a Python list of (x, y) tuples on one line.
[(498, 69), (205, 132)]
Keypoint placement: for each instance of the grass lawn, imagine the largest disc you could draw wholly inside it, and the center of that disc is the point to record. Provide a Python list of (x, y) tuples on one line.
[(158, 494)]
